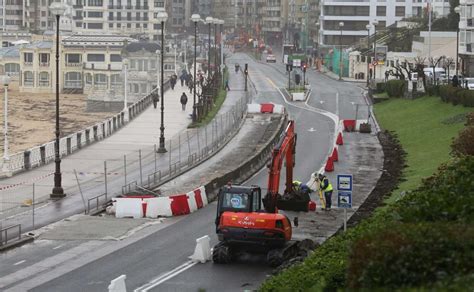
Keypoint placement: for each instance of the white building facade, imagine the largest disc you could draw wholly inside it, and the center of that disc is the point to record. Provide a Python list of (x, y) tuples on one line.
[(357, 14)]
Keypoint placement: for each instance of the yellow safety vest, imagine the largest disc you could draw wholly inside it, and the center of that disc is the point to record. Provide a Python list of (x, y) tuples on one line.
[(329, 186)]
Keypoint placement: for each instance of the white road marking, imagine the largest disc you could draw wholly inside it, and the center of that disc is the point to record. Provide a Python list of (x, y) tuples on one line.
[(333, 117), (165, 277), (19, 263), (311, 129), (59, 246)]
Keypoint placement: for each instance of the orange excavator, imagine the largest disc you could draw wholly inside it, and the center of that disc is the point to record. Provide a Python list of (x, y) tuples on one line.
[(242, 224)]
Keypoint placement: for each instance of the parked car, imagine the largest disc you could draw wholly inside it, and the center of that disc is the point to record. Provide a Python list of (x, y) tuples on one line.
[(271, 59), (470, 83)]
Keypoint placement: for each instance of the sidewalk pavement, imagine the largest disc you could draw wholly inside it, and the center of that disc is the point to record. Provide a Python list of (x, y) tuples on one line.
[(140, 134)]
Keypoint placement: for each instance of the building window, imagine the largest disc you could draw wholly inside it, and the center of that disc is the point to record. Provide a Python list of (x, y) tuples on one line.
[(95, 58), (12, 68), (95, 3), (132, 64), (94, 25), (381, 11), (28, 78), (400, 11), (115, 58), (100, 81), (88, 78), (115, 81), (143, 88), (28, 58), (95, 14), (129, 25), (44, 59), (44, 79), (136, 88), (73, 80), (152, 64), (73, 59), (111, 25)]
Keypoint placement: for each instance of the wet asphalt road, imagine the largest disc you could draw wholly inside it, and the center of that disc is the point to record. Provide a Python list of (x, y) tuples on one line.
[(169, 248)]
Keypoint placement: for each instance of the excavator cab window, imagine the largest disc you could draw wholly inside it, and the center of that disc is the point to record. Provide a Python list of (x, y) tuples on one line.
[(237, 199), (256, 200)]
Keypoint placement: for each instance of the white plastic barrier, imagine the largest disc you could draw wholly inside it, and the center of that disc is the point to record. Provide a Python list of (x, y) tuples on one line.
[(118, 284), (192, 201), (128, 207), (278, 109), (298, 96), (202, 251), (160, 206), (253, 108), (203, 195)]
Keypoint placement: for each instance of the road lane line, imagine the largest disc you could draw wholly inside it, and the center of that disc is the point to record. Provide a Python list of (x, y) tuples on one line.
[(166, 276), (59, 246), (333, 117), (19, 263)]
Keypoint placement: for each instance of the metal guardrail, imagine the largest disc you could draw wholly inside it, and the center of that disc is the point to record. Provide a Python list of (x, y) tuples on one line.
[(97, 200), (4, 234)]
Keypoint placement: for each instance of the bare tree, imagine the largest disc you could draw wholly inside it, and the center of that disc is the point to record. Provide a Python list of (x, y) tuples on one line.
[(448, 62), (419, 66), (434, 62)]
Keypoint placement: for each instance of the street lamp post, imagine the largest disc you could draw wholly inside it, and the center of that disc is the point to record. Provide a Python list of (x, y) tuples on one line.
[(185, 56), (457, 9), (341, 25), (158, 52), (175, 47), (375, 23), (209, 20), (125, 90), (221, 68), (195, 18), (6, 157), (57, 9), (368, 50), (216, 21), (162, 16)]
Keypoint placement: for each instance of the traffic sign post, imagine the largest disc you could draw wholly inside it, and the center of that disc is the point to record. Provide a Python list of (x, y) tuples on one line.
[(344, 194)]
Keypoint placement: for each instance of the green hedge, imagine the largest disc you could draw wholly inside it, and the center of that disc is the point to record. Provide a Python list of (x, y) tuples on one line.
[(395, 88), (411, 255), (456, 95), (424, 242)]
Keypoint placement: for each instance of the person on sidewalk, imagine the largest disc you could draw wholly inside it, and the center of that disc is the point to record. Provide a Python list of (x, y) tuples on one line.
[(184, 101), (326, 187), (227, 85), (156, 99)]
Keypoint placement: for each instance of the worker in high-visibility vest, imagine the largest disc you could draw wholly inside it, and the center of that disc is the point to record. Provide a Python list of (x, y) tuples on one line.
[(326, 187)]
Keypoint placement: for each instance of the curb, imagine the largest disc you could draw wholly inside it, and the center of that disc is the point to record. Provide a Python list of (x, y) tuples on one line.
[(22, 241)]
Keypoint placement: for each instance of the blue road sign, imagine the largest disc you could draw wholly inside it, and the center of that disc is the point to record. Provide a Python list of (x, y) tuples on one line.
[(344, 200), (344, 182)]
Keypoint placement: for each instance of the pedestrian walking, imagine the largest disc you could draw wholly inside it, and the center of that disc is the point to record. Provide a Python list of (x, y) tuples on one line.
[(326, 187), (227, 85), (156, 98), (191, 84), (184, 101), (182, 77)]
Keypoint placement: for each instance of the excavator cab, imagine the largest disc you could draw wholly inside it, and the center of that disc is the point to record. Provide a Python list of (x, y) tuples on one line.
[(236, 198)]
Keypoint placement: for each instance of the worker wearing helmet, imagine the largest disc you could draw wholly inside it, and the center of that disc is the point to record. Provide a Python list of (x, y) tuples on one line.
[(296, 186), (326, 187)]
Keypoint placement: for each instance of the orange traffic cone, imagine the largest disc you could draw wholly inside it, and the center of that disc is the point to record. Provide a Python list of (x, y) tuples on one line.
[(329, 165), (335, 155), (339, 139)]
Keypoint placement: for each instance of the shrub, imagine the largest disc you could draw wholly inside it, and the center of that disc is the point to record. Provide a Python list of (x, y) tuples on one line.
[(395, 88), (379, 87), (448, 195), (464, 143), (467, 98), (408, 255)]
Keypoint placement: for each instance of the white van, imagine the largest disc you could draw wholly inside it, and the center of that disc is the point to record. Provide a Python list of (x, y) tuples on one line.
[(439, 73)]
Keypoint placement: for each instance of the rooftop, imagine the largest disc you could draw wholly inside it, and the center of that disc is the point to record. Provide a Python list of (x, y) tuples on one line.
[(96, 40)]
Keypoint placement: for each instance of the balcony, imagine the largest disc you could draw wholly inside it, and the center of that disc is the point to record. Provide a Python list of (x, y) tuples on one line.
[(77, 17), (45, 64), (28, 63), (77, 6), (72, 64)]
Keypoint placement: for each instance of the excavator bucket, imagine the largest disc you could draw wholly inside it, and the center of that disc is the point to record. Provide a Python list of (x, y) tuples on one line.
[(294, 201)]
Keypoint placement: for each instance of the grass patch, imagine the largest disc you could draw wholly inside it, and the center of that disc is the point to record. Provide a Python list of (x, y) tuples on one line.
[(297, 90), (221, 96), (381, 95), (423, 132)]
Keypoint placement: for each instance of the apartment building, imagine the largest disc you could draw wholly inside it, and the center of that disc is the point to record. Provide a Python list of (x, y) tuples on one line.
[(275, 21), (466, 37), (179, 13), (357, 14)]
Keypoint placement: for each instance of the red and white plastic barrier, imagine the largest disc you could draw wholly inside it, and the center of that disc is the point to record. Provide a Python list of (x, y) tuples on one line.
[(175, 205), (264, 108)]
